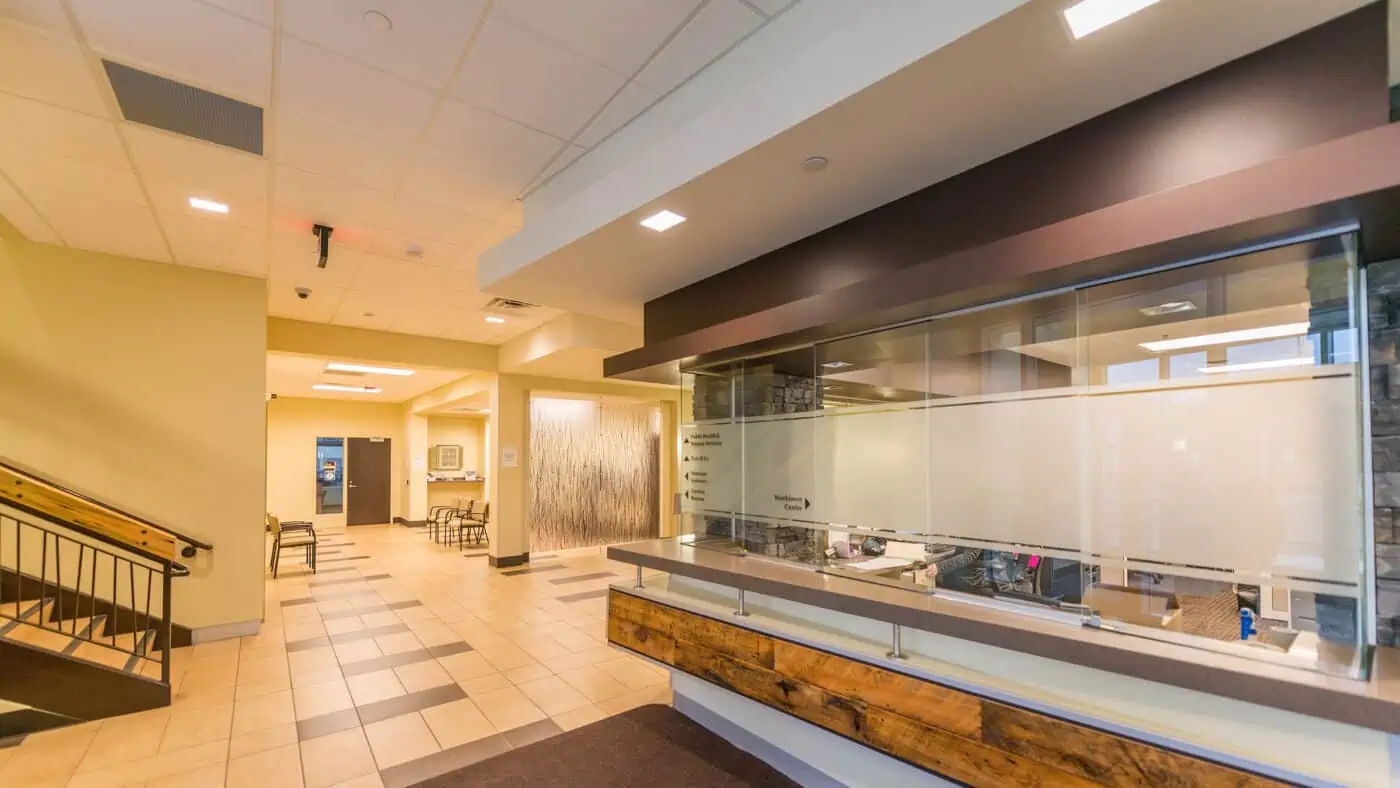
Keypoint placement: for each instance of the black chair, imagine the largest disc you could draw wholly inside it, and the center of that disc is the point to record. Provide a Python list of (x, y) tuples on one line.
[(475, 527), (292, 535)]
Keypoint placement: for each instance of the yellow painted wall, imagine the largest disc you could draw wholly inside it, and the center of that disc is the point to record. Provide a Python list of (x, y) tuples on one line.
[(469, 432), (294, 424), (143, 384)]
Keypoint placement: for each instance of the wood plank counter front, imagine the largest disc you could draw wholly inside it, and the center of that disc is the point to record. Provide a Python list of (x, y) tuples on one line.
[(952, 733)]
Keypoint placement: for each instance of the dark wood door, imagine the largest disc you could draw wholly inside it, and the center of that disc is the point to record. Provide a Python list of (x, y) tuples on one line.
[(367, 484)]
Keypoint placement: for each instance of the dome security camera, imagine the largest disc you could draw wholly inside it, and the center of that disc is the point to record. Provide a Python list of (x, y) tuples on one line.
[(303, 293)]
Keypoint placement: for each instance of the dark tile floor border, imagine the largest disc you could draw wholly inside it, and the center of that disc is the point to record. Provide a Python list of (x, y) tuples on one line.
[(326, 724), (345, 558), (370, 609), (526, 735), (372, 664), (338, 581), (307, 643), (534, 570), (559, 581), (366, 633), (406, 704), (602, 592), (428, 767)]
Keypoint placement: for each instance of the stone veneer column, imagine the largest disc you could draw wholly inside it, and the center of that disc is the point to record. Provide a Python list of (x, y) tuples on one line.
[(1383, 303)]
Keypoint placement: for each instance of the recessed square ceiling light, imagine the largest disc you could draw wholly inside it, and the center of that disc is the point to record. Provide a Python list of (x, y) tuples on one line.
[(211, 206), (662, 221), (336, 366), (1087, 16), (495, 319), (350, 389), (1169, 308), (836, 364)]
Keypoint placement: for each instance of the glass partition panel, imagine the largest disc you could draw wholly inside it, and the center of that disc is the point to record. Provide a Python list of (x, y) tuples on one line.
[(330, 475)]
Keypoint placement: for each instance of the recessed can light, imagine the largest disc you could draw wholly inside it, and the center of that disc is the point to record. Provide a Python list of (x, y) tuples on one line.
[(495, 319), (1169, 308), (201, 204), (662, 221), (1088, 16), (836, 364), (379, 20), (815, 163)]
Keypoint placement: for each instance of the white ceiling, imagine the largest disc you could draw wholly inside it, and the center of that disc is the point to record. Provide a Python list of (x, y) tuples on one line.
[(427, 134), (292, 375), (1015, 80)]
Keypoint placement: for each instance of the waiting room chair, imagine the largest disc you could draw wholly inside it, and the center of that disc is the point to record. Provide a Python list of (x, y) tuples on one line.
[(475, 527), (291, 535), (455, 517)]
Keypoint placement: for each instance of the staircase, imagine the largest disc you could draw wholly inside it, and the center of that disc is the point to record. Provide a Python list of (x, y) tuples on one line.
[(85, 599)]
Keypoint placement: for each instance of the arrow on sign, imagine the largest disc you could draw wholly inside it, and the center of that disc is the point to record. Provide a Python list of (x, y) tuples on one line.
[(687, 475), (806, 504), (685, 459), (687, 494)]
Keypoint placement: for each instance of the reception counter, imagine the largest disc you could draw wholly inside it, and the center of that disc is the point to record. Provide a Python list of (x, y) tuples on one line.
[(981, 695)]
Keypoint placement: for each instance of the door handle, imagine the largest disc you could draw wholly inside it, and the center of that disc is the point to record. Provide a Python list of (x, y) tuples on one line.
[(353, 485)]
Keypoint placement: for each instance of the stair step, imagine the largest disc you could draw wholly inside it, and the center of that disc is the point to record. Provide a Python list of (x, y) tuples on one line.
[(81, 630), (40, 637)]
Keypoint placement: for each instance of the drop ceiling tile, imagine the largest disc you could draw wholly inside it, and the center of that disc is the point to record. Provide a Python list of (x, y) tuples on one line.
[(326, 147), (560, 163), (772, 7), (320, 82), (292, 263), (620, 34), (424, 222), (500, 149), (29, 129), (23, 216), (423, 322), (427, 39), (721, 25), (457, 280), (362, 309), (42, 66), (216, 244), (326, 200), (42, 14), (282, 301), (387, 275), (199, 169), (173, 197), (103, 226), (63, 176), (631, 102), (259, 11), (184, 40), (448, 182), (517, 73)]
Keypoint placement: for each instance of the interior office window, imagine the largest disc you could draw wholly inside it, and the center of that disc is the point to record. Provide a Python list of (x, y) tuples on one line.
[(1183, 366), (330, 475), (1129, 372)]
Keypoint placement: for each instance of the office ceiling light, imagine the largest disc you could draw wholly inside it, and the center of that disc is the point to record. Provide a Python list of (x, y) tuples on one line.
[(199, 203), (662, 221), (1228, 337), (336, 366), (1087, 16), (836, 364), (1252, 366), (1169, 308), (349, 389), (495, 319)]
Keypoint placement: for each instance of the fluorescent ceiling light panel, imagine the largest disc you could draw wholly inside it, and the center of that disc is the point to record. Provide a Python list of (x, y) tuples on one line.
[(1278, 363), (495, 319), (1088, 16), (1228, 337), (1169, 308), (350, 389), (836, 364), (662, 221), (336, 366), (208, 205)]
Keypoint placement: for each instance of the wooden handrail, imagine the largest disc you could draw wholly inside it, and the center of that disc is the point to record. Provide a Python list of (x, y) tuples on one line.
[(29, 491)]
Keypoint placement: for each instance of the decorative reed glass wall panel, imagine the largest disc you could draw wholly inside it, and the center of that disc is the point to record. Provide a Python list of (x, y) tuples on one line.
[(595, 473)]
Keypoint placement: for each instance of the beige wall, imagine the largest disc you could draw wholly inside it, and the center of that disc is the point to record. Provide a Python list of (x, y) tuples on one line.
[(293, 425), (143, 384), (470, 433)]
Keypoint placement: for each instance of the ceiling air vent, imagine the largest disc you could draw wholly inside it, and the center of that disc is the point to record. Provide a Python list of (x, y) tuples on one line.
[(509, 305), (166, 104)]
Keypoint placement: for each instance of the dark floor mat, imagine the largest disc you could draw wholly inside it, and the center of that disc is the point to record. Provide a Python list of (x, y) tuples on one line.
[(648, 747)]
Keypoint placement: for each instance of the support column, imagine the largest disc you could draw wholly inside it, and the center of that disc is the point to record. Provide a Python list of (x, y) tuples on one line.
[(508, 432)]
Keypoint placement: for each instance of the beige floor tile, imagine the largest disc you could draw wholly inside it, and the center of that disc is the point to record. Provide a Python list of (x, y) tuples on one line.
[(416, 613), (506, 657), (546, 650), (309, 678), (368, 781), (398, 643), (312, 659), (569, 662), (193, 726), (631, 673), (341, 626), (211, 776), (264, 670), (147, 769), (373, 687), (333, 606), (125, 739), (400, 739), (466, 665), (553, 695), (484, 684), (277, 768), (631, 700), (384, 618), (265, 739), (48, 756), (318, 699), (265, 711), (422, 675), (457, 723), (357, 651), (258, 689), (528, 673), (433, 633), (337, 758), (508, 708), (577, 718), (595, 685)]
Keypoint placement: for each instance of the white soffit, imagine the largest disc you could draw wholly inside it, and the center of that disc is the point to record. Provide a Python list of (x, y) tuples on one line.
[(875, 86)]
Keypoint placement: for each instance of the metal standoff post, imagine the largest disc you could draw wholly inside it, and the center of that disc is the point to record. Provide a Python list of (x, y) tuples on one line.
[(898, 651), (639, 577), (743, 610)]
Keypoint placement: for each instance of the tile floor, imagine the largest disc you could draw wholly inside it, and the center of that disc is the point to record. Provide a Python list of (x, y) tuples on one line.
[(398, 661)]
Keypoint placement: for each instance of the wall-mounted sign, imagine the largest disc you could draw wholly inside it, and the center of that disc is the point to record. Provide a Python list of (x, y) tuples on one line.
[(510, 457)]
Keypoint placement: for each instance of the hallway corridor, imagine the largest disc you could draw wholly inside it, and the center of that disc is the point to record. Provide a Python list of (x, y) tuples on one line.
[(398, 661)]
